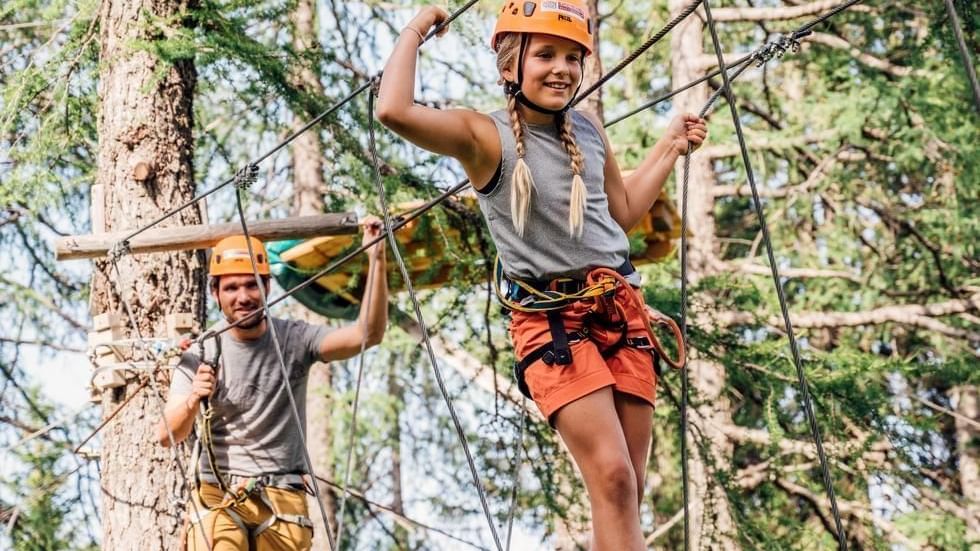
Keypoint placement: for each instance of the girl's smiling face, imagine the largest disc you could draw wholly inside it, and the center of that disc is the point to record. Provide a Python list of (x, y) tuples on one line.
[(552, 70)]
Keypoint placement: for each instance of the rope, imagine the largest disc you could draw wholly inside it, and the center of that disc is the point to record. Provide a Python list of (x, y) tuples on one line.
[(420, 319), (282, 362), (111, 416), (515, 473), (452, 17), (398, 514), (763, 54), (684, 379), (806, 28), (804, 391), (353, 425), (637, 52), (971, 73)]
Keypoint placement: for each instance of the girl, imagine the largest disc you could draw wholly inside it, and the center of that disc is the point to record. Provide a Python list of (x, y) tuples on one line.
[(558, 210)]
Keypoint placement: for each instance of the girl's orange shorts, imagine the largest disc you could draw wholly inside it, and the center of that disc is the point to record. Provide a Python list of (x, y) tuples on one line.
[(629, 370)]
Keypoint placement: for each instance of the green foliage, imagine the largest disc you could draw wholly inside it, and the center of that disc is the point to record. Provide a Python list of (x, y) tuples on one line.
[(934, 529)]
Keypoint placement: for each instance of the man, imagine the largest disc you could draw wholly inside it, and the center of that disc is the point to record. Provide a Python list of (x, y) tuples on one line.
[(250, 492)]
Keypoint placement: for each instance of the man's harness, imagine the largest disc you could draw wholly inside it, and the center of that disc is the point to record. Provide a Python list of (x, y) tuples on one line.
[(599, 287)]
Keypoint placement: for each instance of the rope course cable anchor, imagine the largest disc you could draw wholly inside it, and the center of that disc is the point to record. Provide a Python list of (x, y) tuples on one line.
[(246, 176), (777, 48)]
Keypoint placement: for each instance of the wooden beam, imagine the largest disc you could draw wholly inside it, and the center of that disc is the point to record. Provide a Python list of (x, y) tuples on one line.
[(205, 236)]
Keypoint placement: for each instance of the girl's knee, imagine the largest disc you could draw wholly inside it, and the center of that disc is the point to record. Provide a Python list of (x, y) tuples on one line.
[(616, 483)]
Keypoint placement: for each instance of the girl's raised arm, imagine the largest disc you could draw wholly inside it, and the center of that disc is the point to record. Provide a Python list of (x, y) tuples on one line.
[(457, 133), (631, 197)]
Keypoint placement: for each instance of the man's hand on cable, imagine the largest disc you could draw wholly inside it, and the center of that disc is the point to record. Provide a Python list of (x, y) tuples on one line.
[(684, 129), (202, 386), (372, 229)]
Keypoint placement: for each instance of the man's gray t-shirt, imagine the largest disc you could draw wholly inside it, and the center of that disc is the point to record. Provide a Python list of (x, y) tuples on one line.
[(253, 428)]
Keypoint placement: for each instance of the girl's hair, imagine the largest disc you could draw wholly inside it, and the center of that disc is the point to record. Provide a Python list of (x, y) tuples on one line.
[(522, 183)]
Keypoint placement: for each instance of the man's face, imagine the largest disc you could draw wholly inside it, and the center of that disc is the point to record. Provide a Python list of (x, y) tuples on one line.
[(238, 296)]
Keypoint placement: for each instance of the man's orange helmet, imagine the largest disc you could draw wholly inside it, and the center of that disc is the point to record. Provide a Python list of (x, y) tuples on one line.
[(565, 18), (230, 257)]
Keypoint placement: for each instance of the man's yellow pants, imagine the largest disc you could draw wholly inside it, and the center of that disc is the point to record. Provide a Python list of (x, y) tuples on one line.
[(270, 519)]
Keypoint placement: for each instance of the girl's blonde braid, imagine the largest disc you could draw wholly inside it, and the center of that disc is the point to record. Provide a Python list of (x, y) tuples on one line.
[(521, 183), (576, 203)]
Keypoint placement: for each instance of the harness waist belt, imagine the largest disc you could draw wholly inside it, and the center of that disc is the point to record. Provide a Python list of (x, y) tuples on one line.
[(562, 285), (289, 481)]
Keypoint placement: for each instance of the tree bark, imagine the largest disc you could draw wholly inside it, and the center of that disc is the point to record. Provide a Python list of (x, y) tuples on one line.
[(708, 499), (966, 400), (593, 67), (146, 117), (397, 393), (309, 186)]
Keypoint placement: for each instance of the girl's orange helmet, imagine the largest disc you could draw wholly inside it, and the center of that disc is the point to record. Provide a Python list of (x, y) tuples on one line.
[(230, 257), (565, 18)]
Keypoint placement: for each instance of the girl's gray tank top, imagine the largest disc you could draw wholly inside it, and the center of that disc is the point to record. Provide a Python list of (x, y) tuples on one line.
[(547, 250)]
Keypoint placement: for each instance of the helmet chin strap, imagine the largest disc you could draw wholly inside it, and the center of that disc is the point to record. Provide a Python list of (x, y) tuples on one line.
[(516, 88)]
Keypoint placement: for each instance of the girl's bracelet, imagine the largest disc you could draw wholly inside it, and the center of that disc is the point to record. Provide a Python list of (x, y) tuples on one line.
[(417, 32)]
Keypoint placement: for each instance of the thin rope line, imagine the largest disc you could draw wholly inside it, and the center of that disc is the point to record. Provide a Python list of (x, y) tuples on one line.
[(762, 55), (357, 397), (971, 73), (452, 17), (420, 319), (282, 364), (685, 251), (637, 52), (111, 416), (804, 391), (806, 28), (400, 515), (685, 468), (515, 474)]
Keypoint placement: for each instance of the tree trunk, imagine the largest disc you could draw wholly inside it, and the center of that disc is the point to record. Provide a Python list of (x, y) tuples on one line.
[(308, 189), (145, 122), (711, 523), (397, 393), (593, 67), (966, 400)]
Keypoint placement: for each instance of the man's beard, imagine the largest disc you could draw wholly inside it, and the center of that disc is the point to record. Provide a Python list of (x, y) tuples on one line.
[(252, 319)]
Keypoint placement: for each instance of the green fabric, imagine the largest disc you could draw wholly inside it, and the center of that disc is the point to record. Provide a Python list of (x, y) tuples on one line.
[(314, 297)]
